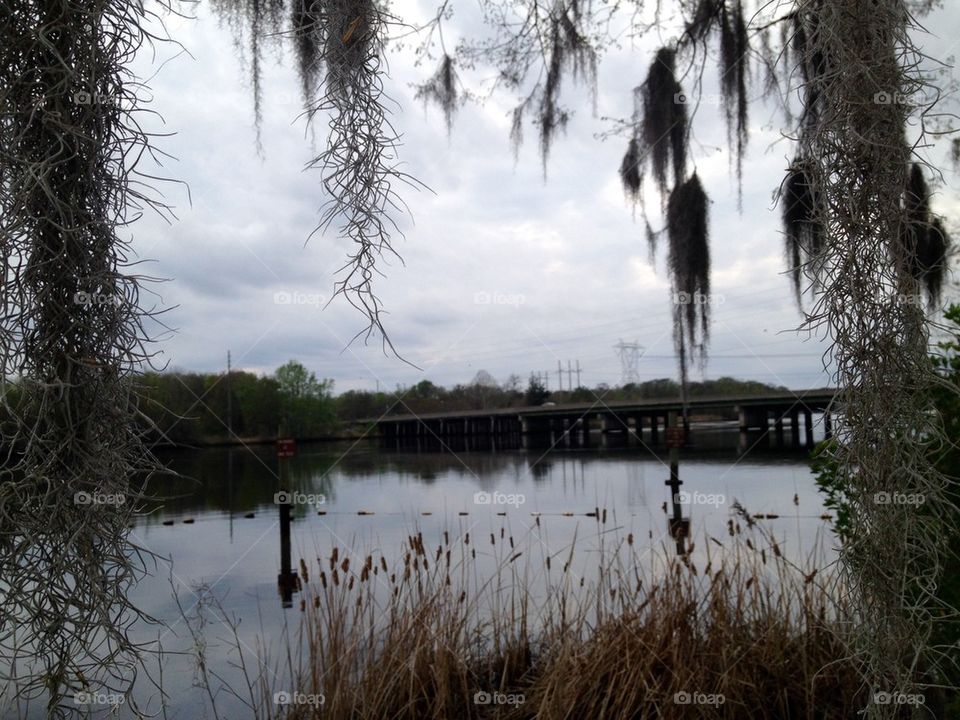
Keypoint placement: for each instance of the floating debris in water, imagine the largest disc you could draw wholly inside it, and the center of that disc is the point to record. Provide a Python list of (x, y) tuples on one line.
[(250, 516), (188, 521), (168, 522)]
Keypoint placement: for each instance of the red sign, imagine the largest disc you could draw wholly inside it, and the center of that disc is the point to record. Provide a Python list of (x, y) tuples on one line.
[(286, 448), (676, 438)]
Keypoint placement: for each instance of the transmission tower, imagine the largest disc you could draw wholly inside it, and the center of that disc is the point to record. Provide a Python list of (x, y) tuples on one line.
[(629, 354)]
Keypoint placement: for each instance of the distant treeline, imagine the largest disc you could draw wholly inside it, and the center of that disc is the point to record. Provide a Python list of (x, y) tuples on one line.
[(197, 408)]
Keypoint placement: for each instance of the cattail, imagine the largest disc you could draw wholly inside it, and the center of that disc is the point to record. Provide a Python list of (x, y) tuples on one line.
[(537, 520), (336, 578), (511, 542), (303, 605), (350, 584), (345, 565), (323, 579), (776, 549), (334, 556), (630, 539), (448, 558), (807, 579), (796, 499), (463, 596), (446, 538), (364, 574), (393, 578), (763, 556), (447, 582), (466, 539), (548, 562), (303, 571), (492, 539), (383, 563), (316, 601), (749, 544), (439, 553), (502, 533), (604, 520), (473, 554)]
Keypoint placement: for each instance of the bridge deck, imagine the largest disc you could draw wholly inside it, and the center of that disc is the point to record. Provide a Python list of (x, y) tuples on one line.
[(816, 400)]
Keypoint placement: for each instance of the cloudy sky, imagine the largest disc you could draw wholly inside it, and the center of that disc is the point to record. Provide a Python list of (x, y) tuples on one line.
[(503, 271)]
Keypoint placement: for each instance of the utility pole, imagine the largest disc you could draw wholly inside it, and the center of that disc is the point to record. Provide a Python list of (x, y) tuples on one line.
[(229, 448), (578, 374), (569, 375), (546, 380), (229, 399), (559, 376)]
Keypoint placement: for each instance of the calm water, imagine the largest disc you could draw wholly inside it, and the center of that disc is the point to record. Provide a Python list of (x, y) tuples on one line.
[(539, 498)]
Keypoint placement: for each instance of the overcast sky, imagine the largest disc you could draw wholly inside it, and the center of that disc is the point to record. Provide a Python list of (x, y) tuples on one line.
[(504, 272)]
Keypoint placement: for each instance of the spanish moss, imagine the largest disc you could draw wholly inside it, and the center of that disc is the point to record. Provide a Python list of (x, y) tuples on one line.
[(689, 265), (802, 222), (734, 51), (924, 242), (630, 171), (441, 89), (664, 122)]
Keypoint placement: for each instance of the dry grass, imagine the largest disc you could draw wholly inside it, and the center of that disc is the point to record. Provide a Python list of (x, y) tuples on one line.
[(621, 640)]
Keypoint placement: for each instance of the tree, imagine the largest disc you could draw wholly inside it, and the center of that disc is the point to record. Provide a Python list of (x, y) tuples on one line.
[(305, 403), (536, 393)]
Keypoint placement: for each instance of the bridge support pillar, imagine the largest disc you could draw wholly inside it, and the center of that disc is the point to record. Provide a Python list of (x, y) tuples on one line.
[(753, 418), (808, 427), (654, 428), (795, 427)]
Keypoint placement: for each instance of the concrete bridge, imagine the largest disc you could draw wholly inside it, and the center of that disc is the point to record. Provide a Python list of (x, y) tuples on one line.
[(755, 413)]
